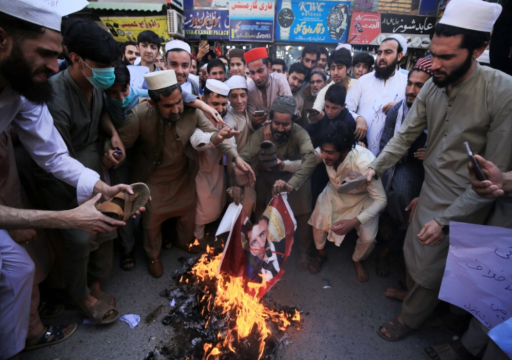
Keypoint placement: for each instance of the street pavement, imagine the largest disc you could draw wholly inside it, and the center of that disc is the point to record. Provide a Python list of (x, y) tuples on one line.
[(339, 322)]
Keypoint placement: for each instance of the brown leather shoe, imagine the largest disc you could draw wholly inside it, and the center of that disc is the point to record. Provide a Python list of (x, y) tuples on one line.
[(155, 267)]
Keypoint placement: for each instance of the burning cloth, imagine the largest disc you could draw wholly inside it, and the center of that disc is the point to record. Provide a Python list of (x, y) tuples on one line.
[(257, 252)]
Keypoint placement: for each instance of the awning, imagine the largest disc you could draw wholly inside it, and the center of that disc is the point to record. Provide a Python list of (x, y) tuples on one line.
[(125, 6)]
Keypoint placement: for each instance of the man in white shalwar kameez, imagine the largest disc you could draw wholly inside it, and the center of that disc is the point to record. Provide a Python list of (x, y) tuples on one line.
[(210, 184), (336, 214), (377, 92)]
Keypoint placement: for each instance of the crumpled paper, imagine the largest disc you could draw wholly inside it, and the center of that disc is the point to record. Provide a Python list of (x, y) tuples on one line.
[(131, 319)]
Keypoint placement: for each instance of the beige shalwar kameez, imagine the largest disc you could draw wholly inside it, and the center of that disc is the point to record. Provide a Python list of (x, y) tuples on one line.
[(366, 205), (479, 111)]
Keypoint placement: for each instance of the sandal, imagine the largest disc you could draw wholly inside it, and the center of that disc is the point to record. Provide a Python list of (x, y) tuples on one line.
[(97, 313), (53, 335), (302, 264), (397, 331), (123, 205), (106, 298), (316, 263), (49, 310), (382, 268), (268, 154), (127, 259), (447, 352), (155, 268), (353, 180)]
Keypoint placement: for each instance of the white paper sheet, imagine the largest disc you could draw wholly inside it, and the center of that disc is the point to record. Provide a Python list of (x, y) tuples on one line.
[(502, 336), (478, 274)]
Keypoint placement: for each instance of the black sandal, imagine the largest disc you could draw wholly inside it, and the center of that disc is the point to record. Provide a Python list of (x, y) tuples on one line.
[(53, 335), (128, 259), (49, 310), (316, 263)]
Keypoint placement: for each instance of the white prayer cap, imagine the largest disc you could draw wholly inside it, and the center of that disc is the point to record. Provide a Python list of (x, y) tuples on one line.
[(217, 87), (344, 46), (484, 58), (204, 66), (39, 12), (475, 15), (401, 40), (177, 44), (237, 82), (157, 80)]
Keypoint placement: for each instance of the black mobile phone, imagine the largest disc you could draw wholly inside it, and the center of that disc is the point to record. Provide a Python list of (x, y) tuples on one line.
[(478, 171), (204, 38), (312, 111)]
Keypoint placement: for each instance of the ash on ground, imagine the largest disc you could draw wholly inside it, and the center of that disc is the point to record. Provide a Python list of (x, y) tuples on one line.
[(197, 322)]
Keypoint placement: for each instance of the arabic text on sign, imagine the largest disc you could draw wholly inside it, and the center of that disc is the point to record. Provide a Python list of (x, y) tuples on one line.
[(305, 29)]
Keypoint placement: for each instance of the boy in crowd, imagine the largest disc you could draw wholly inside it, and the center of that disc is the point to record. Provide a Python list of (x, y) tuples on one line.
[(149, 47), (362, 65), (278, 66)]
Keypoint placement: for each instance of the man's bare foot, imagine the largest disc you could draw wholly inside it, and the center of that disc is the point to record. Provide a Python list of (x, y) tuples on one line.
[(52, 338), (89, 302), (385, 331), (396, 294), (96, 291), (362, 274)]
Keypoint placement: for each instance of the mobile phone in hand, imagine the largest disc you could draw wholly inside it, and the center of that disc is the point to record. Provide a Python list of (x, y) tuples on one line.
[(313, 111), (204, 39), (259, 112), (478, 171)]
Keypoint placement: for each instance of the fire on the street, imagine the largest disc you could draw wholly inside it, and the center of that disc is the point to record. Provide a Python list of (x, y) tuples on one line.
[(236, 325)]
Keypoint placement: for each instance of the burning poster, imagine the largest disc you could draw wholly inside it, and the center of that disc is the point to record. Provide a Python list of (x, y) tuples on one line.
[(258, 252)]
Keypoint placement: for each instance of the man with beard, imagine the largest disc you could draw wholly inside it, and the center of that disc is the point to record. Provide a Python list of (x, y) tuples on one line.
[(265, 87), (336, 214), (403, 181), (31, 43), (149, 47), (463, 102), (167, 162), (130, 52), (210, 184), (375, 93), (291, 143), (317, 81), (296, 77)]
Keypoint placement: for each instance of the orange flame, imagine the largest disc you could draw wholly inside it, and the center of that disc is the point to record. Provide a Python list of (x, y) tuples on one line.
[(195, 243), (246, 309)]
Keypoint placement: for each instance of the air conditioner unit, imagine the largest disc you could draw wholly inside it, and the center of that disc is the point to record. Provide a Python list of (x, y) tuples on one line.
[(175, 23)]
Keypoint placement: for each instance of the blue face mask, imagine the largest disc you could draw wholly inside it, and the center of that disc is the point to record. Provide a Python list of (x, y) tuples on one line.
[(124, 103), (102, 78)]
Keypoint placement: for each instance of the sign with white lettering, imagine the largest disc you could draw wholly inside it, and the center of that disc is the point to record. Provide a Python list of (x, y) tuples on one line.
[(213, 23), (251, 20), (309, 21), (415, 29), (364, 28), (478, 274)]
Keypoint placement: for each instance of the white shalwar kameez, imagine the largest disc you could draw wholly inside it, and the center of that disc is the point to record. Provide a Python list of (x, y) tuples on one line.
[(34, 126), (367, 98), (366, 205), (210, 185)]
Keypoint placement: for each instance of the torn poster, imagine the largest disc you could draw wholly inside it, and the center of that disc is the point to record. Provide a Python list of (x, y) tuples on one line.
[(258, 251), (478, 273), (502, 336)]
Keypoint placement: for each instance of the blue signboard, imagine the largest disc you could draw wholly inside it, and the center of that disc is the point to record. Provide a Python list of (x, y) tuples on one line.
[(251, 20), (322, 21), (214, 23)]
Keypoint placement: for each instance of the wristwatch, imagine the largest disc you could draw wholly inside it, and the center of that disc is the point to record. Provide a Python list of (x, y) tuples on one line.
[(335, 19), (444, 228), (285, 19)]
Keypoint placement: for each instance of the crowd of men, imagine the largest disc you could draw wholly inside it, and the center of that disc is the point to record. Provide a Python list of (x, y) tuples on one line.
[(360, 145)]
